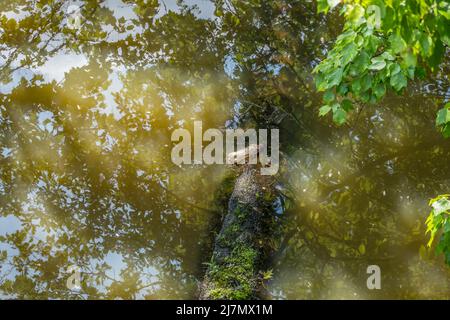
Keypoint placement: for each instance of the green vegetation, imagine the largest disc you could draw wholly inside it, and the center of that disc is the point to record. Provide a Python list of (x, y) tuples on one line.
[(235, 277), (439, 219), (384, 44)]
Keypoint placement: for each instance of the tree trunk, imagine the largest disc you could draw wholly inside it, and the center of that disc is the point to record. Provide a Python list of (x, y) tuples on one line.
[(240, 248)]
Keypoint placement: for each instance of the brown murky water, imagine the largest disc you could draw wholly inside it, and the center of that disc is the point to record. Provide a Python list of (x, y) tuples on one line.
[(86, 178)]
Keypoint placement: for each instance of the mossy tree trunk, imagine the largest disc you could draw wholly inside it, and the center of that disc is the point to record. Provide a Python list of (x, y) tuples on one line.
[(240, 250)]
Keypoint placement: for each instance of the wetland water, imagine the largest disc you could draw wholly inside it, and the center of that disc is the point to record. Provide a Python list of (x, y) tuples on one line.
[(86, 177)]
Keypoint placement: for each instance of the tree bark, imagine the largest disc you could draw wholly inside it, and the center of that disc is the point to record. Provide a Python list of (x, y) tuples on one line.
[(240, 248)]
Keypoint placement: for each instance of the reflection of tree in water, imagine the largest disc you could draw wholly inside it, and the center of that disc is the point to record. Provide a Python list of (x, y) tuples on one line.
[(86, 167), (360, 201)]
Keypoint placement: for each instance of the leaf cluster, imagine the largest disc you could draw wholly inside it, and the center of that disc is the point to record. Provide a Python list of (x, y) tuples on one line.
[(384, 44)]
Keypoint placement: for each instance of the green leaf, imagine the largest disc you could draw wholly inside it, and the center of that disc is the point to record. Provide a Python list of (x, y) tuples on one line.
[(349, 53), (320, 81), (443, 27), (397, 43), (322, 6), (394, 69), (356, 15), (339, 116), (378, 63), (446, 130), (441, 206), (398, 81), (371, 44), (347, 105), (426, 44), (361, 62), (438, 54), (356, 86), (387, 56), (444, 9), (342, 89), (324, 110), (443, 116), (333, 3), (335, 77), (410, 59), (366, 82), (365, 96), (379, 90), (335, 106), (328, 96)]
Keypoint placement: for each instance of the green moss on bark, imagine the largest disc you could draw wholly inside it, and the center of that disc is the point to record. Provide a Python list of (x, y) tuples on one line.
[(239, 251), (234, 279)]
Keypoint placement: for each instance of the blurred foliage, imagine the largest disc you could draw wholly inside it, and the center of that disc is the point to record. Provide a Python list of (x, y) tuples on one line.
[(383, 44)]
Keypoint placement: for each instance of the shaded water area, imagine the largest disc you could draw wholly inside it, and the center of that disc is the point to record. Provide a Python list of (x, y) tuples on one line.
[(86, 178)]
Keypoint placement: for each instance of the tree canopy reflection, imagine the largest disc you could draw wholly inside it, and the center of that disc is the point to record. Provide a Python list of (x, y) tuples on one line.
[(85, 169)]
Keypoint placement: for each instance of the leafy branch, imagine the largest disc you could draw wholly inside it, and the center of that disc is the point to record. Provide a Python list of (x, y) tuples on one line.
[(384, 45), (439, 219)]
